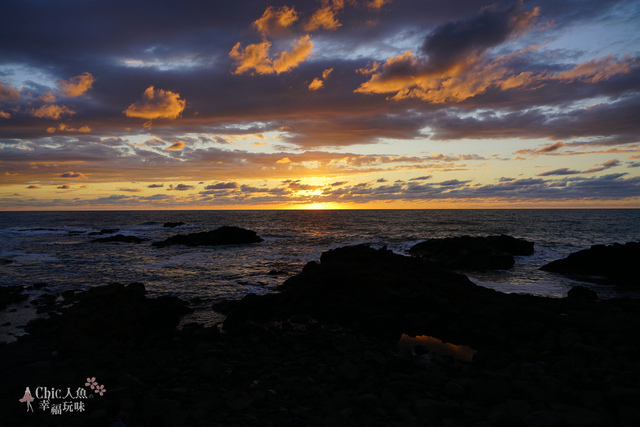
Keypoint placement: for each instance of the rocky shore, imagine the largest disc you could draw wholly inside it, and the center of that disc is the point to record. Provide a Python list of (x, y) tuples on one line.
[(325, 351)]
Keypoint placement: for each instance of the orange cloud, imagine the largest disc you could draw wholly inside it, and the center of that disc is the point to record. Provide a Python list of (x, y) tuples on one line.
[(156, 104), (377, 4), (52, 111), (275, 21), (316, 84), (323, 18), (409, 77), (48, 97), (5, 115), (63, 127), (176, 146), (256, 57), (596, 70), (77, 85), (8, 92)]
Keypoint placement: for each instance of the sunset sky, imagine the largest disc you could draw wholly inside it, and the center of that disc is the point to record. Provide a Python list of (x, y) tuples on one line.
[(121, 104)]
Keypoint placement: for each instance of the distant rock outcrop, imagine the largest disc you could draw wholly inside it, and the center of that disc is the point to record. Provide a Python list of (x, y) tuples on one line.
[(119, 238), (473, 253), (220, 236), (616, 264)]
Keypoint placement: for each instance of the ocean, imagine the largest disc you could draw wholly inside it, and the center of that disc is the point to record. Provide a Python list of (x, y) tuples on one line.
[(55, 248)]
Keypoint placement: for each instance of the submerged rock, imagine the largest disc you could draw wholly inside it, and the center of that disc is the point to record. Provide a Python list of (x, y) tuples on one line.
[(119, 238), (617, 263), (473, 253), (220, 236)]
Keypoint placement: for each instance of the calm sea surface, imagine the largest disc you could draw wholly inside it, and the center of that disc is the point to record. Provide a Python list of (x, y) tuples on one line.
[(55, 248)]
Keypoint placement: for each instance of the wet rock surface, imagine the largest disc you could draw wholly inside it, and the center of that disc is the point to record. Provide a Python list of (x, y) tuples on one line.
[(220, 236), (616, 264), (324, 351), (473, 253)]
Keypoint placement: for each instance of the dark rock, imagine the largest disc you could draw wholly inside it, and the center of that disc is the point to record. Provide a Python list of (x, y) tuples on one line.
[(10, 295), (473, 253), (173, 224), (220, 236), (104, 231), (580, 292), (617, 263), (119, 238)]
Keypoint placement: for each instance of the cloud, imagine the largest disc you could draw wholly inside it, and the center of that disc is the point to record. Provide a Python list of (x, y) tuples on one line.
[(51, 111), (606, 165), (275, 21), (48, 97), (5, 115), (64, 187), (32, 187), (318, 83), (222, 186), (65, 128), (553, 148), (377, 4), (71, 174), (181, 187), (324, 18), (157, 104), (566, 171), (455, 69), (130, 190), (561, 171), (8, 92), (155, 185), (256, 57), (597, 70), (176, 146), (77, 85)]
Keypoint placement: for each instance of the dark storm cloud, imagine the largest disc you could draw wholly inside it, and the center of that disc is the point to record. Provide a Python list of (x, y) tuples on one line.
[(454, 41)]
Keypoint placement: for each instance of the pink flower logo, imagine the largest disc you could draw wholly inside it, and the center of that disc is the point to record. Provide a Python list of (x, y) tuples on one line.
[(100, 389), (91, 382)]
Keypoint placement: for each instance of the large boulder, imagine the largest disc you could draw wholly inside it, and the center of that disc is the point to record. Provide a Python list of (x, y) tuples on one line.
[(220, 236), (473, 253), (616, 264), (384, 294)]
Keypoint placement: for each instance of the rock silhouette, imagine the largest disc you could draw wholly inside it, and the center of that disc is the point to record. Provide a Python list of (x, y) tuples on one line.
[(220, 236), (617, 264), (473, 253)]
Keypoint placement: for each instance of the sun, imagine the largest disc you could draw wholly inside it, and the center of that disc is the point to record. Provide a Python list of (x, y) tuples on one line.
[(320, 206)]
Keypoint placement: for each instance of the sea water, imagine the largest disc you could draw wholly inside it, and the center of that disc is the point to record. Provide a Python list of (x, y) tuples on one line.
[(56, 248)]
